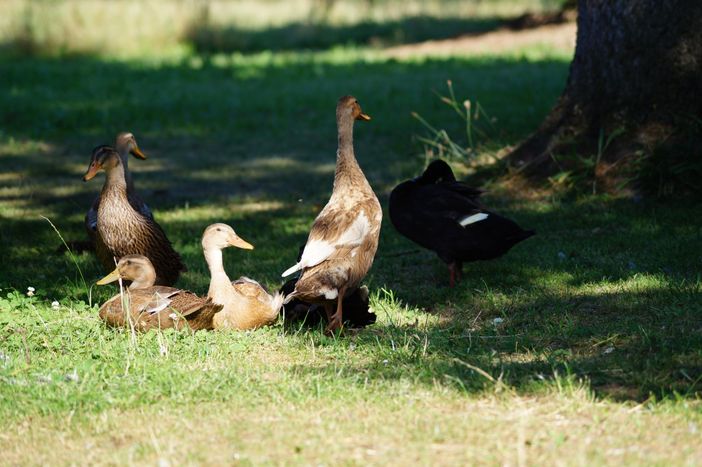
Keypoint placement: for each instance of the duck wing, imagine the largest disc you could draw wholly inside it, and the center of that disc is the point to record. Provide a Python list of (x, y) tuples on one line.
[(335, 229), (159, 307)]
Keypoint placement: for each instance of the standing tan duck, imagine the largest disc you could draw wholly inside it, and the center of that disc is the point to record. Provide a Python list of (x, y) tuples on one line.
[(125, 144), (121, 229), (152, 306), (247, 305), (344, 237)]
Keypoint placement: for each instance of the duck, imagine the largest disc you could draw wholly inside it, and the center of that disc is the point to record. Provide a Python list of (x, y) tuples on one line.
[(123, 230), (152, 306), (446, 216), (343, 240), (125, 144), (246, 303), (357, 311)]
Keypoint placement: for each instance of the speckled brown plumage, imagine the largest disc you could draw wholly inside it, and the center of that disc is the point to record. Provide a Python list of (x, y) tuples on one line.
[(124, 231), (184, 310), (125, 144), (148, 306)]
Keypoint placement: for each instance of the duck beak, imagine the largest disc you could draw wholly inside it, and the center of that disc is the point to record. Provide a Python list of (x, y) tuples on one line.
[(111, 277), (92, 171), (363, 116), (136, 152), (240, 243)]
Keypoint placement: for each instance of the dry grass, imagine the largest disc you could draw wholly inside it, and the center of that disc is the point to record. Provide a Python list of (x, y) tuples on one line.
[(435, 428)]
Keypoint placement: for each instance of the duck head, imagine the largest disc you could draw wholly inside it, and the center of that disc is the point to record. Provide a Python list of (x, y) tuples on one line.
[(126, 143), (135, 268), (438, 170), (102, 158), (348, 106), (220, 236)]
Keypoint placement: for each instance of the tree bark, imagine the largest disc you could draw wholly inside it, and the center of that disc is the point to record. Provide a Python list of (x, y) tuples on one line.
[(637, 71)]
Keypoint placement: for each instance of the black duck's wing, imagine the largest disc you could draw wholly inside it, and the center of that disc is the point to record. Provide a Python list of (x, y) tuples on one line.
[(442, 203)]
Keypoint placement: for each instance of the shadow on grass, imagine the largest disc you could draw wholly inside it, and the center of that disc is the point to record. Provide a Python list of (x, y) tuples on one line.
[(310, 35), (624, 346), (229, 131)]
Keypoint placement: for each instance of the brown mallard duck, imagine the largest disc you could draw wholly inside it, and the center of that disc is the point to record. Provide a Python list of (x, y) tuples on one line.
[(344, 237), (153, 306), (122, 230), (125, 144), (247, 304)]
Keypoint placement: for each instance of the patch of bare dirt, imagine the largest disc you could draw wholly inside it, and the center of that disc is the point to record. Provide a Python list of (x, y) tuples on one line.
[(557, 36)]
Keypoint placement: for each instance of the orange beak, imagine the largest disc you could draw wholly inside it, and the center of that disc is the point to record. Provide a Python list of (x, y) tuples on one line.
[(363, 116), (136, 152), (92, 171), (240, 243)]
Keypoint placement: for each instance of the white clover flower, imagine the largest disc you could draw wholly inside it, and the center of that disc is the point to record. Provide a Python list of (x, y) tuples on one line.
[(30, 291), (55, 305)]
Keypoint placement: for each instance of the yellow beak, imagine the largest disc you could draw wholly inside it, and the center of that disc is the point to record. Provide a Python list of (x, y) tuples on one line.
[(111, 277), (240, 243), (363, 116), (136, 152)]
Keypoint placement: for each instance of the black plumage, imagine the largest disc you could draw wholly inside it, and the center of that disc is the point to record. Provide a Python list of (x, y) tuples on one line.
[(447, 217)]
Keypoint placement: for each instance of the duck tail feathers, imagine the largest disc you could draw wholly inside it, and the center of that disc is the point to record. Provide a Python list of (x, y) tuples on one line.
[(277, 303), (291, 270)]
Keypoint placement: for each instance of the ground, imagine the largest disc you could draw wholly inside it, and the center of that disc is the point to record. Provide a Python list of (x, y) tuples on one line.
[(580, 346)]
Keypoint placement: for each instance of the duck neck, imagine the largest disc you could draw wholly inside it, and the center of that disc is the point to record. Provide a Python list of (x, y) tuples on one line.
[(218, 275), (124, 157), (115, 182), (146, 279), (346, 164)]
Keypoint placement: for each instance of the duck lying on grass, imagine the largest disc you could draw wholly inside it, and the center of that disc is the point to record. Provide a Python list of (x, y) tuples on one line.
[(445, 216), (246, 304), (344, 237), (123, 230), (150, 306)]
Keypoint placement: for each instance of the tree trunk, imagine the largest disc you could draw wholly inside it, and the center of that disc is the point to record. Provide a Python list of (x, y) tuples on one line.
[(637, 73)]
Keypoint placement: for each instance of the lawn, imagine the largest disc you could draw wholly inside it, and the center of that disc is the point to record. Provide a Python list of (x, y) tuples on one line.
[(581, 346)]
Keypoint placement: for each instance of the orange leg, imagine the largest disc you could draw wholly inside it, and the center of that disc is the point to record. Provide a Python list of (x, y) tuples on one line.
[(336, 320)]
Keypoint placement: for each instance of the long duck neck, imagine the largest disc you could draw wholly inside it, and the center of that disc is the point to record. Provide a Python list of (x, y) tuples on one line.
[(115, 183), (346, 165), (218, 276), (124, 157)]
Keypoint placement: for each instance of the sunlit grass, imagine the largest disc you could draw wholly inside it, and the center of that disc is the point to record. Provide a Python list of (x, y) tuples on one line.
[(582, 345), (166, 27)]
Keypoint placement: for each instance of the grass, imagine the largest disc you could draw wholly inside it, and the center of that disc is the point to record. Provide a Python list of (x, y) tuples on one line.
[(130, 28), (595, 357)]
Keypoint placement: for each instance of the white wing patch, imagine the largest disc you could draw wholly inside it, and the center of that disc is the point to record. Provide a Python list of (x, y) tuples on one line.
[(317, 251), (331, 294), (467, 220), (159, 302)]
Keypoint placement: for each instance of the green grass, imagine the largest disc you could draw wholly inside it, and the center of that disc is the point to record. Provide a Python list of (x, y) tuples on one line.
[(597, 359)]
